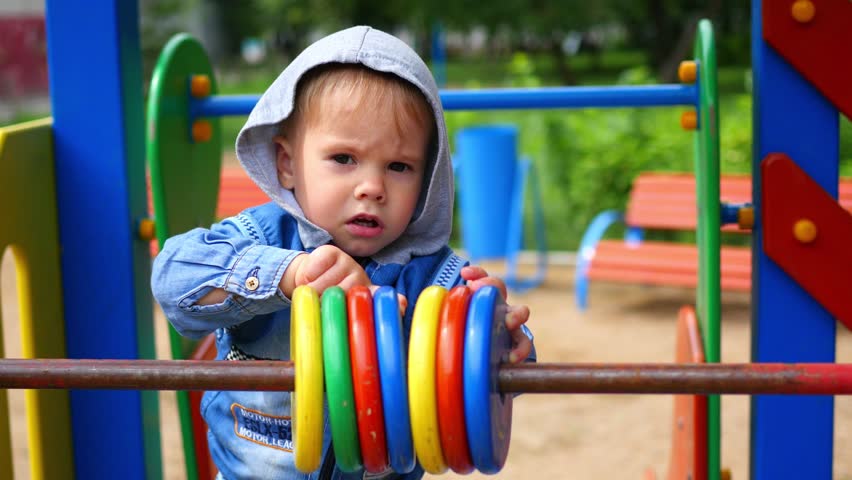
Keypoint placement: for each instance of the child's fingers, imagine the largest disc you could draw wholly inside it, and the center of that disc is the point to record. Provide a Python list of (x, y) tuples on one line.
[(403, 304), (316, 265), (400, 298), (516, 315), (343, 274), (473, 272), (521, 346), (493, 281)]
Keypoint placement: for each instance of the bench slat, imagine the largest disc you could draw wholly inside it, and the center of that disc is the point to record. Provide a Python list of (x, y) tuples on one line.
[(666, 201), (662, 263), (237, 193)]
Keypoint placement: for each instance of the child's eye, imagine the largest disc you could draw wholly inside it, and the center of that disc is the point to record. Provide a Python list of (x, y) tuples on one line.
[(399, 167), (343, 159)]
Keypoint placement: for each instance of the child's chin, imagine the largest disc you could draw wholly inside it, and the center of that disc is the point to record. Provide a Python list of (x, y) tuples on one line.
[(362, 250)]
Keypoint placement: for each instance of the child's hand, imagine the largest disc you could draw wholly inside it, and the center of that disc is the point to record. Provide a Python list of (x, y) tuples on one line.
[(325, 267), (516, 316), (329, 266)]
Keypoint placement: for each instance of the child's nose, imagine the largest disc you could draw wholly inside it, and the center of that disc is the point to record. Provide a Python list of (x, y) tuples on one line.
[(371, 187)]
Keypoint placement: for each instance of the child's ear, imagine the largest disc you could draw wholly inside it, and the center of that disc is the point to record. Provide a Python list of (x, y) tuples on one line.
[(284, 162)]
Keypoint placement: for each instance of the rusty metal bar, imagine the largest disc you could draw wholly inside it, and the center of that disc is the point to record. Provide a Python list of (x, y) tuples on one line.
[(708, 378), (636, 378)]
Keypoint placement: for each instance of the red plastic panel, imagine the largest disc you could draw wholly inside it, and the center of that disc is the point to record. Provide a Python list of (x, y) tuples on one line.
[(206, 350), (688, 455), (819, 49), (689, 429), (821, 266)]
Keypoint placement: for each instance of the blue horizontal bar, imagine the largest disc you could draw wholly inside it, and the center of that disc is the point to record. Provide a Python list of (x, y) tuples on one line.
[(570, 97), (222, 105), (507, 98)]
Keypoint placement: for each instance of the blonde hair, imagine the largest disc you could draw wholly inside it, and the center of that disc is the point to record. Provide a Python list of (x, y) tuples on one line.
[(368, 89)]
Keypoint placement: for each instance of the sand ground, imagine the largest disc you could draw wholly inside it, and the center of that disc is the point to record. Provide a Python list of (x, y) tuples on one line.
[(559, 436)]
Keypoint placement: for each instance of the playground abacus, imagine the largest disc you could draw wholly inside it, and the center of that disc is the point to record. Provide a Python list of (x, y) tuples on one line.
[(799, 90), (446, 403)]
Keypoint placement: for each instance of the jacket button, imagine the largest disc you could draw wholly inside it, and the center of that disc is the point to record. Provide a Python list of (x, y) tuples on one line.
[(252, 283)]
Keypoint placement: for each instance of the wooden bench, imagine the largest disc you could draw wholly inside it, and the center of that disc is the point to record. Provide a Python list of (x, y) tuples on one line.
[(665, 201), (237, 192)]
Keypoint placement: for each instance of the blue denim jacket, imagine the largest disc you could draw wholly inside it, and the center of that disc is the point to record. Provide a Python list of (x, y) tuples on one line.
[(249, 432)]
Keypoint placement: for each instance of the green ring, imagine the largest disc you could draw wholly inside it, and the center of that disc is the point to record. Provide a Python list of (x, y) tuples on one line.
[(338, 380)]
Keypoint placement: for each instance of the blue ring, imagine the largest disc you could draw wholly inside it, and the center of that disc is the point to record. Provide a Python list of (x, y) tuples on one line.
[(394, 377), (488, 413)]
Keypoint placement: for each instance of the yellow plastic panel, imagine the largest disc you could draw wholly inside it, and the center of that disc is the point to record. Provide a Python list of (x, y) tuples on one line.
[(29, 226)]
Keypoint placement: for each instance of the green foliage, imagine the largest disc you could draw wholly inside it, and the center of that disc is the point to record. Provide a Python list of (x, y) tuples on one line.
[(586, 159)]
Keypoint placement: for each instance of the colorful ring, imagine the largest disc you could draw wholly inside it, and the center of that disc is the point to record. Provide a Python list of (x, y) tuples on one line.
[(488, 413), (421, 380), (306, 353), (391, 349), (338, 380), (450, 380), (365, 380)]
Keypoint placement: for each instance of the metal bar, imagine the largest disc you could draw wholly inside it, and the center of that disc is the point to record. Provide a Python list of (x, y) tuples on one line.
[(636, 378), (570, 97), (755, 378), (504, 98)]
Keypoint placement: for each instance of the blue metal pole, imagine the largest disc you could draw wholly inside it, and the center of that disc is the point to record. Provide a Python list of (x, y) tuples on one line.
[(508, 98), (95, 71), (791, 437)]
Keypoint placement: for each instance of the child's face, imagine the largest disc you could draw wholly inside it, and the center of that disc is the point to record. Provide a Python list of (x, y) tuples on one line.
[(353, 173)]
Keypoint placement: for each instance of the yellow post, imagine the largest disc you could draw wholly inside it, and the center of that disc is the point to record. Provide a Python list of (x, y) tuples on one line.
[(29, 226)]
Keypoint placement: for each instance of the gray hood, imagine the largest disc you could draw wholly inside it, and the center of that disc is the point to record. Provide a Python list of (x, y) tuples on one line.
[(430, 227)]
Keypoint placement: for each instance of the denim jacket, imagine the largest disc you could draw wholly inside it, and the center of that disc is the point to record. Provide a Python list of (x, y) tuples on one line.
[(250, 435)]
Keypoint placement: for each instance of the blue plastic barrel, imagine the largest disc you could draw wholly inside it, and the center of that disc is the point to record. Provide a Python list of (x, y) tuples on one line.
[(486, 160)]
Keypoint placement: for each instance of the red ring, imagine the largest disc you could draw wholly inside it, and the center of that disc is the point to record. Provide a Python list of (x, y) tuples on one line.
[(449, 381), (365, 379)]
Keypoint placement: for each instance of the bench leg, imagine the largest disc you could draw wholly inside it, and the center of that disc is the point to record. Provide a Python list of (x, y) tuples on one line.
[(515, 233), (586, 253)]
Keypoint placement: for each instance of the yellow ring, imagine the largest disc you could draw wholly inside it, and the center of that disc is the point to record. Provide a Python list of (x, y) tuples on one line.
[(422, 398), (306, 353)]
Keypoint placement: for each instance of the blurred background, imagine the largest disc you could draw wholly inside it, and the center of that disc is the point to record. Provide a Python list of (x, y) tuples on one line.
[(586, 159)]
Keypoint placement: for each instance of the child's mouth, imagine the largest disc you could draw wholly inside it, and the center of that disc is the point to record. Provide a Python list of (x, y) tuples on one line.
[(367, 222), (365, 226)]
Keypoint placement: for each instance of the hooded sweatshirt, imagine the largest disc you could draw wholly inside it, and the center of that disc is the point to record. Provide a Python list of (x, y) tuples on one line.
[(429, 230), (250, 433)]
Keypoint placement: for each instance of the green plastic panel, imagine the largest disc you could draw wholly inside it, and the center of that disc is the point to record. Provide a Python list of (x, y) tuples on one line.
[(184, 174)]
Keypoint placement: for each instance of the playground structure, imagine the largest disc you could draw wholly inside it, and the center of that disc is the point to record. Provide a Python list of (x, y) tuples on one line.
[(99, 187)]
